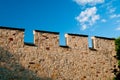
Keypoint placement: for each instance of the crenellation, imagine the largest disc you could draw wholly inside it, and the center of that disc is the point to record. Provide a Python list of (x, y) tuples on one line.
[(103, 43), (12, 37), (46, 38), (11, 28), (45, 59), (77, 41), (29, 44)]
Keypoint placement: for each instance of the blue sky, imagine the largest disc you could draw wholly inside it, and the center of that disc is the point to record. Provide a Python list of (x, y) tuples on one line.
[(89, 17)]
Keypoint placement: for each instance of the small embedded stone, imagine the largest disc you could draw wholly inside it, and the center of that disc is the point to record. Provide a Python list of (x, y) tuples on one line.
[(14, 33), (96, 75), (84, 76), (31, 63), (47, 48), (11, 39), (98, 72)]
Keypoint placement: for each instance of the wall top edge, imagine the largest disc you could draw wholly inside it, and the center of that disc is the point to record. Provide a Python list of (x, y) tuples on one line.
[(77, 35), (3, 27), (29, 44), (104, 38), (64, 46), (46, 31)]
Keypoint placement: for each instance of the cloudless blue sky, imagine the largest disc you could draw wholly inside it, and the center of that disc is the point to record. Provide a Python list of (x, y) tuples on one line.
[(64, 16)]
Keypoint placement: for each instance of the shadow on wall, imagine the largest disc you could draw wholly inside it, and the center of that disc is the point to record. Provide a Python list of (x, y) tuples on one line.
[(10, 68)]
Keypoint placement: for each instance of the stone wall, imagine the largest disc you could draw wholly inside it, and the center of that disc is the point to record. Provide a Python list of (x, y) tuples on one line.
[(47, 60)]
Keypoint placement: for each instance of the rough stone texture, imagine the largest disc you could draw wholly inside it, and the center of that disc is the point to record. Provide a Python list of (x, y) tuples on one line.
[(46, 60)]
